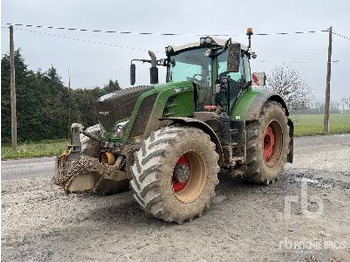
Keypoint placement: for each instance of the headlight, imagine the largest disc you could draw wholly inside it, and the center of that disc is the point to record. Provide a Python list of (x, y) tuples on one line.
[(119, 130)]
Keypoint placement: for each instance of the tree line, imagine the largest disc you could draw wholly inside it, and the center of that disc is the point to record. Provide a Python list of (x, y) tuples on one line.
[(42, 102)]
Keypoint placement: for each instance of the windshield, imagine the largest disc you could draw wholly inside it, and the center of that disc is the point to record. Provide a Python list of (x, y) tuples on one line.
[(192, 66)]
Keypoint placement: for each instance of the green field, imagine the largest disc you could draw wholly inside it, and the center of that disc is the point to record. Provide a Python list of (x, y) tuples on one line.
[(34, 149), (312, 124), (305, 125)]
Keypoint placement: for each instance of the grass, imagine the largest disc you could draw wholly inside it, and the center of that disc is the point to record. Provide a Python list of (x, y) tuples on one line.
[(312, 124), (305, 125), (34, 149)]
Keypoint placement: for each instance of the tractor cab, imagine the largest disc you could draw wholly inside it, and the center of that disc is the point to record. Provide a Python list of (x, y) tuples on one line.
[(218, 69)]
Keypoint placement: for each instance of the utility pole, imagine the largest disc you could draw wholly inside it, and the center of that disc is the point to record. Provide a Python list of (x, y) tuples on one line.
[(13, 93), (328, 83), (68, 105)]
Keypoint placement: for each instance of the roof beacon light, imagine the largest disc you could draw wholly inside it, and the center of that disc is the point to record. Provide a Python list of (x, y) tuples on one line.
[(250, 31), (249, 34)]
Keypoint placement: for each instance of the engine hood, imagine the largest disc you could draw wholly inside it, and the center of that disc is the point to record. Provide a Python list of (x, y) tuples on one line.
[(118, 105)]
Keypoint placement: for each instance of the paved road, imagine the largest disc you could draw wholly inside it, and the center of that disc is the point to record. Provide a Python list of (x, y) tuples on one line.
[(44, 167), (27, 168)]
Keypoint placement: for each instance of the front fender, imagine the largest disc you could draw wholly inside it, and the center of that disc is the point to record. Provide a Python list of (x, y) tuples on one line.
[(187, 121)]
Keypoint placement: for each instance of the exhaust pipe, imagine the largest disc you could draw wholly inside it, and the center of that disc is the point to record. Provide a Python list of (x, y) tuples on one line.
[(153, 71), (153, 58)]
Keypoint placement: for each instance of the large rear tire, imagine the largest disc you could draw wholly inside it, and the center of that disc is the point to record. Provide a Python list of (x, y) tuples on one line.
[(175, 173), (267, 145)]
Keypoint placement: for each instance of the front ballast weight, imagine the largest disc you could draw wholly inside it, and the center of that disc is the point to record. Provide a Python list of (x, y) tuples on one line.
[(89, 170)]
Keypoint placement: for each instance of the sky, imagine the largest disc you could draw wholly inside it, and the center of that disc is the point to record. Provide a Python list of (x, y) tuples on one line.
[(93, 65)]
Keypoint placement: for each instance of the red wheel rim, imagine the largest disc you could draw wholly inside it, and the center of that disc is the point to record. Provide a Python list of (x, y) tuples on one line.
[(181, 174), (269, 143)]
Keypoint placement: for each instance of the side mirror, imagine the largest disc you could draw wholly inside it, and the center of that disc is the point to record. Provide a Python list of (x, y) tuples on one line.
[(233, 57), (153, 74), (259, 79), (132, 74)]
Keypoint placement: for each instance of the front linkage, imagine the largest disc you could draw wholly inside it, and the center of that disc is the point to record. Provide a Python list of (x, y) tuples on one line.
[(76, 172)]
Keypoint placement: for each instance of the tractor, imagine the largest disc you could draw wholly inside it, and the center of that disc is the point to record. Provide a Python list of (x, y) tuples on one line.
[(169, 141)]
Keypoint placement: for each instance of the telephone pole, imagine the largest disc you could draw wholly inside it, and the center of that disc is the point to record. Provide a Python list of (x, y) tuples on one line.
[(328, 83), (13, 93), (69, 102)]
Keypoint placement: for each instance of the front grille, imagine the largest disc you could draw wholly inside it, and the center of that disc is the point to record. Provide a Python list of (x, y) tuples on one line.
[(118, 105), (143, 115)]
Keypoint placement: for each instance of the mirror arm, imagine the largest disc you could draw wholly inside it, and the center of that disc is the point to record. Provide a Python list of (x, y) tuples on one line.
[(141, 60)]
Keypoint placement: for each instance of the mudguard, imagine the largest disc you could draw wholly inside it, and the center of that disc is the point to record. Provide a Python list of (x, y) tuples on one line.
[(206, 128), (249, 105)]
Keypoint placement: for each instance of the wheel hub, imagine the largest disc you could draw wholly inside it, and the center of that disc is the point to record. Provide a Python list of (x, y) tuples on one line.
[(269, 143), (181, 174)]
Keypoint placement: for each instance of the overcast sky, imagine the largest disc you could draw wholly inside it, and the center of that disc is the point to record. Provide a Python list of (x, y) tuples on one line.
[(93, 65)]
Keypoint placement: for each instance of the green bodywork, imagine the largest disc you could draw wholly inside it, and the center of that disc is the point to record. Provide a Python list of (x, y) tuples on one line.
[(178, 98), (244, 102)]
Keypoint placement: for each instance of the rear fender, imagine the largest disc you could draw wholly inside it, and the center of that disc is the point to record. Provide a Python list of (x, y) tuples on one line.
[(250, 103)]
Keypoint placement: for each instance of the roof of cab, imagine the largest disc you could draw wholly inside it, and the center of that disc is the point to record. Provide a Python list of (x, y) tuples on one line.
[(215, 41)]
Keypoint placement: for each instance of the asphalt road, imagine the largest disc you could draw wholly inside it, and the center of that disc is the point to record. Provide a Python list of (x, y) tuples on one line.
[(27, 168), (44, 167)]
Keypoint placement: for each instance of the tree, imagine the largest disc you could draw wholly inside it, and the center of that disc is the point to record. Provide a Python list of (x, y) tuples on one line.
[(22, 76), (346, 103), (112, 86), (287, 82)]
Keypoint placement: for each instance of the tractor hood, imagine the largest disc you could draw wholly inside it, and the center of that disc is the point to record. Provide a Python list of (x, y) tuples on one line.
[(118, 105)]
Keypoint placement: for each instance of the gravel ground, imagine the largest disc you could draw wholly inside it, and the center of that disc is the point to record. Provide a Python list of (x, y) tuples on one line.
[(245, 223)]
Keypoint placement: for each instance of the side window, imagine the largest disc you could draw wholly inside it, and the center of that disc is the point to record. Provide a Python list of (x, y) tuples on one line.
[(222, 67)]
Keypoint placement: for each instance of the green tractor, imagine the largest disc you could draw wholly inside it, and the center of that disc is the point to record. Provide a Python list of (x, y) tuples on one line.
[(169, 141)]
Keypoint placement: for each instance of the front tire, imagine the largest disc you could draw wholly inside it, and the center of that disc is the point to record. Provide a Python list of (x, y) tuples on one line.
[(175, 173)]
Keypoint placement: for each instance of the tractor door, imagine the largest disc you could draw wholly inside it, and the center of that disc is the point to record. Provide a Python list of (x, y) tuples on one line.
[(231, 86), (236, 82)]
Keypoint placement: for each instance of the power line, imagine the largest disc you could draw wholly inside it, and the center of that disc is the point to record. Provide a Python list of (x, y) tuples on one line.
[(286, 62), (343, 36), (102, 31), (72, 29), (294, 32), (84, 40)]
